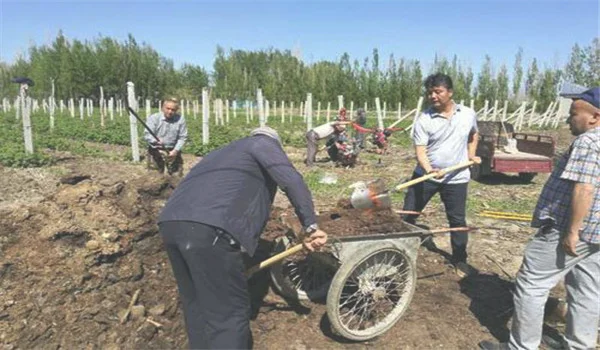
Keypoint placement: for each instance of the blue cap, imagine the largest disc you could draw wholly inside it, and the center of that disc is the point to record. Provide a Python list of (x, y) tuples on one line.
[(591, 96)]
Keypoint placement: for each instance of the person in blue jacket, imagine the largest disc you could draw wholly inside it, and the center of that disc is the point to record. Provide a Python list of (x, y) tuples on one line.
[(214, 216)]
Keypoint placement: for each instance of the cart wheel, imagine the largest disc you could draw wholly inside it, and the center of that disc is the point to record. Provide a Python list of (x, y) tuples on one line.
[(307, 279), (371, 291), (527, 177)]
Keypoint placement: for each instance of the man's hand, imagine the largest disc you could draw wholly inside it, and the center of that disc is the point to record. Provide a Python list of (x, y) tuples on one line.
[(570, 243), (475, 159), (315, 241), (173, 153), (439, 175)]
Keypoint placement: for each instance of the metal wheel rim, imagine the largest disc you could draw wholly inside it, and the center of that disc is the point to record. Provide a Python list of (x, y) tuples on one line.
[(308, 278), (374, 296)]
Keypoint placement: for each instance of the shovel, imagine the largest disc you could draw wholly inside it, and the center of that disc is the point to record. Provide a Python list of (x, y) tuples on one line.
[(366, 195)]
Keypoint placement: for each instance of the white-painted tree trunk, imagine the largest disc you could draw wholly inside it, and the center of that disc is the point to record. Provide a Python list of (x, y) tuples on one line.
[(247, 108), (111, 108), (51, 106), (81, 106), (318, 111), (261, 110), (227, 111), (102, 110), (417, 115), (379, 113), (135, 147), (72, 107), (309, 121), (26, 116), (267, 111), (205, 116)]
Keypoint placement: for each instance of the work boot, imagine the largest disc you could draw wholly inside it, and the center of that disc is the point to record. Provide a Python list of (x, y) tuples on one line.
[(491, 345)]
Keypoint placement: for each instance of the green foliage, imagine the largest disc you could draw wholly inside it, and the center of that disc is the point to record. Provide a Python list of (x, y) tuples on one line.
[(13, 156), (80, 68)]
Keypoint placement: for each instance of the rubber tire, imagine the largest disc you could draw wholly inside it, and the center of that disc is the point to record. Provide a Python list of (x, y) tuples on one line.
[(527, 177), (282, 283), (346, 270)]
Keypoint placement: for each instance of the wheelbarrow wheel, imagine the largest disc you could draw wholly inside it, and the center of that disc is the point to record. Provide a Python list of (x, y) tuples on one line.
[(306, 279), (371, 291)]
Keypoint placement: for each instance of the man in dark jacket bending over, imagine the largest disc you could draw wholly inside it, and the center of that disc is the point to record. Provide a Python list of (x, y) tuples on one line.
[(218, 212)]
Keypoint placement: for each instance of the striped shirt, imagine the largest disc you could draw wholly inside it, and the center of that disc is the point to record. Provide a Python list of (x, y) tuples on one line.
[(581, 164), (173, 132)]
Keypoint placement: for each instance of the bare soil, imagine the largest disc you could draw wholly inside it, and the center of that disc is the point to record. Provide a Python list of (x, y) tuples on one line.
[(77, 240)]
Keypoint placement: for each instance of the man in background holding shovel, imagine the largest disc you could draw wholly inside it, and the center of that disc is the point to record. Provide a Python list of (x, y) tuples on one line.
[(171, 129), (444, 135), (216, 214)]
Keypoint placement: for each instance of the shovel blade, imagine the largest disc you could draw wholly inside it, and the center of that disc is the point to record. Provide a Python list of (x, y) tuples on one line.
[(370, 195)]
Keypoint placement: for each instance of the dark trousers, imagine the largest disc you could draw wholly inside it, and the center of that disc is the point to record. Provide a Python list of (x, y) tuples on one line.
[(311, 147), (213, 287), (454, 197), (156, 160)]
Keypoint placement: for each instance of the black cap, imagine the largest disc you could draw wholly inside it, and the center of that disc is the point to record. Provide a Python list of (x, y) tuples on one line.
[(23, 80)]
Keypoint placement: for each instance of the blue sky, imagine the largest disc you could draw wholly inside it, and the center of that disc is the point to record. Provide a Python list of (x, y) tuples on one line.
[(189, 31)]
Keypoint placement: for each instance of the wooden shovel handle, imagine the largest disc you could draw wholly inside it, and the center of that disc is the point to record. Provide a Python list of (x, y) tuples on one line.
[(449, 229), (432, 175), (274, 259)]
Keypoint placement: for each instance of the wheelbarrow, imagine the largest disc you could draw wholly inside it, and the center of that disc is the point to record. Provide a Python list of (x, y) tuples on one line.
[(368, 281)]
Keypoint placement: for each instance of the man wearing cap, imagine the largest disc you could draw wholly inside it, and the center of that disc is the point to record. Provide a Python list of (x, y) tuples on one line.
[(214, 216), (171, 129), (567, 243), (319, 133)]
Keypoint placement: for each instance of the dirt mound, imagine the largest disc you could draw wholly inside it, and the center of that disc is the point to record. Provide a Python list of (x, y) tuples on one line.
[(72, 262)]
